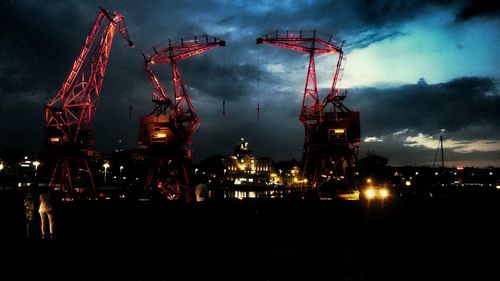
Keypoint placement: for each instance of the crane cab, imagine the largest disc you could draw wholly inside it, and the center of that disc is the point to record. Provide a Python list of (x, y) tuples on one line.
[(342, 127), (155, 130)]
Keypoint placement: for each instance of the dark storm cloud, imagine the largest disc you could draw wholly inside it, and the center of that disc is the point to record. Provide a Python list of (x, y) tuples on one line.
[(224, 81), (370, 37), (388, 12), (21, 122), (383, 12), (274, 134), (11, 81), (478, 8), (30, 47), (360, 22), (455, 105)]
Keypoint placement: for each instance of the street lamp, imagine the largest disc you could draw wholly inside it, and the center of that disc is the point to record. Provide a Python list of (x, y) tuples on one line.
[(1, 168), (106, 166), (121, 168), (369, 181), (36, 163)]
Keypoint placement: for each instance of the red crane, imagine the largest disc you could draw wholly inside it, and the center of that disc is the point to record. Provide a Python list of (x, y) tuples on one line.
[(70, 114), (331, 132), (167, 131)]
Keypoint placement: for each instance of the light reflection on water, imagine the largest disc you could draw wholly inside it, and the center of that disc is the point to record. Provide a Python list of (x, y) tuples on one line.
[(253, 194)]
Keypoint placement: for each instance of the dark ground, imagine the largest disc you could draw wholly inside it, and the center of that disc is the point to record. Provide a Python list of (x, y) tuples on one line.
[(417, 239)]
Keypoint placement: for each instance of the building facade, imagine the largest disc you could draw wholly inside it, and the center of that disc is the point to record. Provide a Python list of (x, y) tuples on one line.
[(244, 168)]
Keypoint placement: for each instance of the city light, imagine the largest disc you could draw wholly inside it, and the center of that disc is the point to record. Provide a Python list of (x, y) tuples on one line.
[(106, 166), (370, 193), (384, 193), (373, 193), (25, 163)]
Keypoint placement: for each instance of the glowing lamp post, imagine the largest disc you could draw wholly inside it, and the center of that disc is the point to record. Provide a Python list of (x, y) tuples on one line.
[(36, 164), (1, 168), (106, 166), (121, 169)]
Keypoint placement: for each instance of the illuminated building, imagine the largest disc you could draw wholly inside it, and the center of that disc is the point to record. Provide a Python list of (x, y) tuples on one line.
[(244, 168)]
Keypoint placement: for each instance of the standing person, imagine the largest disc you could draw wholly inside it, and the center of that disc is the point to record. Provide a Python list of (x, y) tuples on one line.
[(29, 206), (46, 211)]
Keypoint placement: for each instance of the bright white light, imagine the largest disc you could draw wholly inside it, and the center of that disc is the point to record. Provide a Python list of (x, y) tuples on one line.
[(373, 139), (405, 131), (384, 193), (370, 193)]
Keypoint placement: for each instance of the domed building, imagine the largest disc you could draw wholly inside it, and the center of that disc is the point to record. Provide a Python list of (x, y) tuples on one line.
[(244, 168)]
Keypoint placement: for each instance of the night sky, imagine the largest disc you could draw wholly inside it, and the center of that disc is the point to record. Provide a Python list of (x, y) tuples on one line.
[(414, 69)]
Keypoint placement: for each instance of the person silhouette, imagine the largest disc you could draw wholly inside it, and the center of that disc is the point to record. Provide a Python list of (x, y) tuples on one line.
[(46, 211), (29, 205), (201, 190)]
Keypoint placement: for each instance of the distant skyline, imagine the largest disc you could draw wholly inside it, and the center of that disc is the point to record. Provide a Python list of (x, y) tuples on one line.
[(415, 70)]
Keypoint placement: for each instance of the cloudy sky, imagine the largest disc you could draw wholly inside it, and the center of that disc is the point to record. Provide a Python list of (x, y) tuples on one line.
[(414, 70)]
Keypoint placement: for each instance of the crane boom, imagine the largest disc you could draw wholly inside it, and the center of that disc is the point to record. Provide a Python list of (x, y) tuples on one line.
[(311, 114), (73, 108), (183, 111)]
